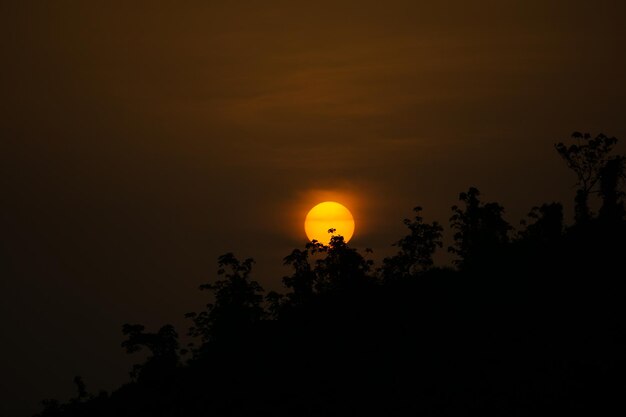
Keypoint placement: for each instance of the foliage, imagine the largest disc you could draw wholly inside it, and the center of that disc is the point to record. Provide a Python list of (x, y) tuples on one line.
[(416, 248), (542, 331), (612, 176), (587, 157), (237, 305), (303, 281), (163, 347), (341, 269), (479, 229), (546, 223)]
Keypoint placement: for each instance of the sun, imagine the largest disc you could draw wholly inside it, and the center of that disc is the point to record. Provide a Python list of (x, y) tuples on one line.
[(328, 215)]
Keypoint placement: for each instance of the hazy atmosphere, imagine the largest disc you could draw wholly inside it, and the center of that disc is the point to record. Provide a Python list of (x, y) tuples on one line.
[(140, 141)]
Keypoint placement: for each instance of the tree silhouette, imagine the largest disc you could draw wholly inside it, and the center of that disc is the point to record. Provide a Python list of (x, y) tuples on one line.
[(479, 229), (612, 175), (415, 249), (546, 223), (303, 281), (163, 347), (341, 269), (81, 388), (587, 158), (523, 326), (237, 305)]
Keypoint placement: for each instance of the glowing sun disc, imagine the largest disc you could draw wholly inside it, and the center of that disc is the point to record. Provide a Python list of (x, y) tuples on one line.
[(328, 215)]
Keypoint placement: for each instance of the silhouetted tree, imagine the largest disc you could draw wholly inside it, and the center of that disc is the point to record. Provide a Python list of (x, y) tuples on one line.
[(612, 174), (520, 328), (341, 268), (416, 248), (321, 269), (163, 346), (479, 229), (237, 305), (51, 407), (546, 223), (587, 157), (83, 404), (80, 388), (302, 281)]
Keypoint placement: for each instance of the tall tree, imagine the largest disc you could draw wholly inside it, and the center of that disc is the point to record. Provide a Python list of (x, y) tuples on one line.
[(612, 175), (479, 229), (587, 157)]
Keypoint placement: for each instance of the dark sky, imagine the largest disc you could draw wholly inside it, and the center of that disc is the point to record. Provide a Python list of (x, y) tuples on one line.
[(140, 141)]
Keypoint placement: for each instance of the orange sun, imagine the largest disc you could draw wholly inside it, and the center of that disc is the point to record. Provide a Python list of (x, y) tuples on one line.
[(328, 215)]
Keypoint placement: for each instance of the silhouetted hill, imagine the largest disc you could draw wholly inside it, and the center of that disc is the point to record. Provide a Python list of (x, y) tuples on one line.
[(526, 324)]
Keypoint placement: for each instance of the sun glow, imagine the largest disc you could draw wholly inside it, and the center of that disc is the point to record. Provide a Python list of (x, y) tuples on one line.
[(325, 216)]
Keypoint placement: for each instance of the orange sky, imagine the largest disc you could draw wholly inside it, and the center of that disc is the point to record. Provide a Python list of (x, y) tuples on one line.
[(140, 141)]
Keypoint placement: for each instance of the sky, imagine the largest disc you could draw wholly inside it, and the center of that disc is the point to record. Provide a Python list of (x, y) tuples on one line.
[(140, 140)]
